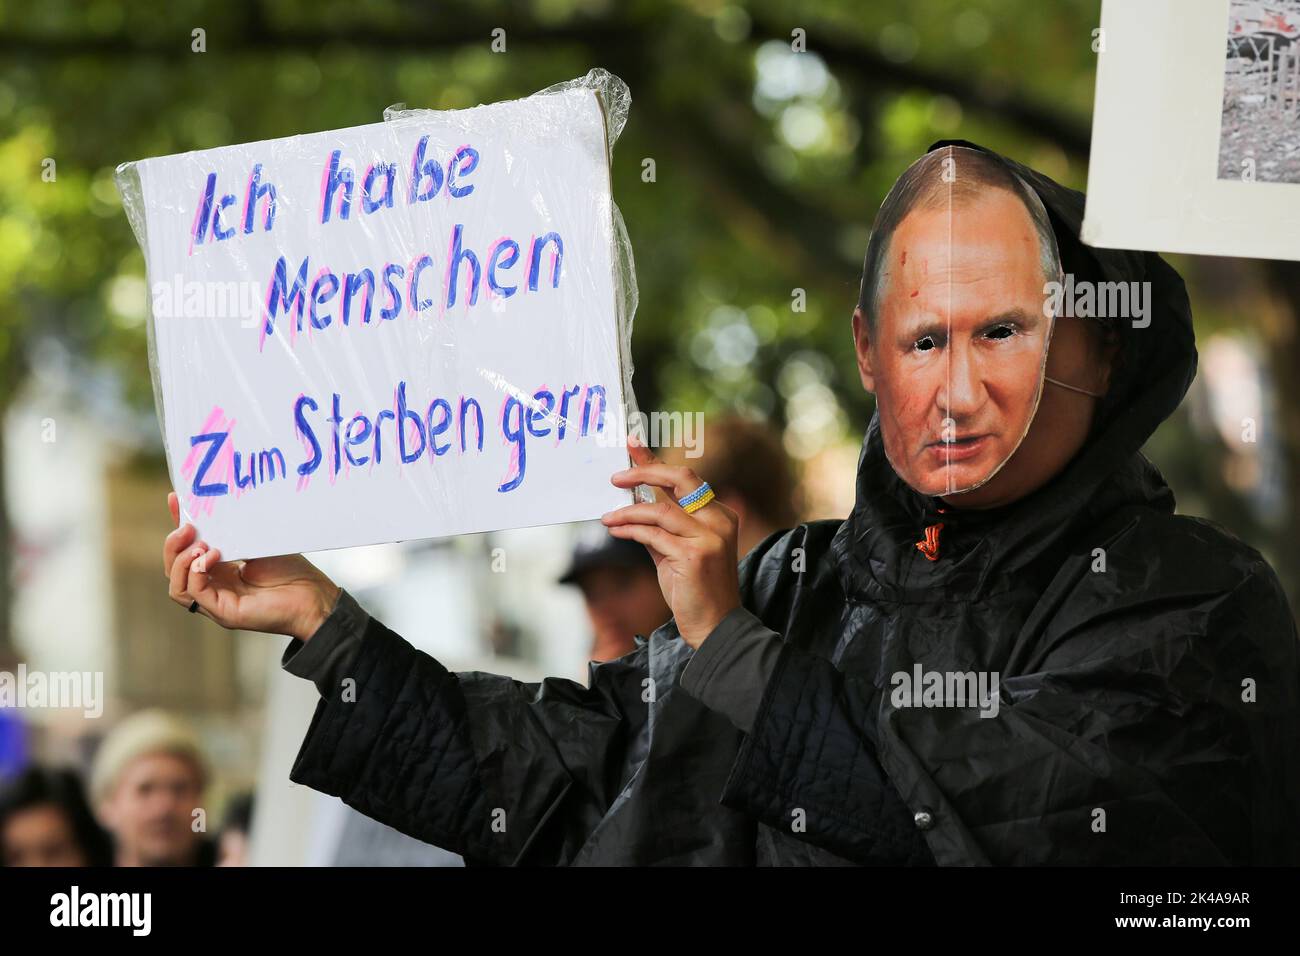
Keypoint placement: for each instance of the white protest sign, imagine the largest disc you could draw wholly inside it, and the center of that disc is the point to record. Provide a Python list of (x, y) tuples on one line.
[(388, 332)]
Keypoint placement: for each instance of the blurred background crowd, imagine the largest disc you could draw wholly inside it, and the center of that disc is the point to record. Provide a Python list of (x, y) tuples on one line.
[(769, 163)]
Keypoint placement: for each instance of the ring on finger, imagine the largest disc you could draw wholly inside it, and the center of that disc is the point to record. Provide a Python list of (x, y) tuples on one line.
[(697, 499)]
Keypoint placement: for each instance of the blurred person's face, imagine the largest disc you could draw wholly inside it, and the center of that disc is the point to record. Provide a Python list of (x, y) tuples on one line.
[(40, 835), (621, 603), (150, 812), (955, 356)]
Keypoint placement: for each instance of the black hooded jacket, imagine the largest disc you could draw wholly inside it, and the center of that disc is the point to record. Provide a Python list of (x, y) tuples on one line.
[(1146, 713)]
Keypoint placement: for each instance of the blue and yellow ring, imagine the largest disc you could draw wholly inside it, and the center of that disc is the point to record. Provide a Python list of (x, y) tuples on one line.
[(697, 499)]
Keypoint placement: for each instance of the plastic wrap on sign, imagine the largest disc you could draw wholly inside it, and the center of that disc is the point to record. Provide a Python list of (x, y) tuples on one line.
[(403, 330)]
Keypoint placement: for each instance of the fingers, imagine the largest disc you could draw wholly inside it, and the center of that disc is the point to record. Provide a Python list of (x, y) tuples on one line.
[(678, 481), (652, 537), (661, 475), (647, 469), (199, 583), (178, 580), (667, 516), (174, 544), (174, 506)]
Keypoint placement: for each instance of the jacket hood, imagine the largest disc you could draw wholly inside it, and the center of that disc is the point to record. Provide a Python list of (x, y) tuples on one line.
[(1154, 368)]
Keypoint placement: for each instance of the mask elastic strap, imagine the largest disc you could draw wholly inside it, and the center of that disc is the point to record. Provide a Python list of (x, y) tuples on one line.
[(1074, 388)]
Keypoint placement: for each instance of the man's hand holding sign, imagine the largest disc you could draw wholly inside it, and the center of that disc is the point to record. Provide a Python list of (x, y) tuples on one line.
[(695, 552), (279, 595)]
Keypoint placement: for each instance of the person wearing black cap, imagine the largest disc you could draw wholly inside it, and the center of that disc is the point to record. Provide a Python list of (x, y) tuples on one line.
[(620, 589), (1012, 651)]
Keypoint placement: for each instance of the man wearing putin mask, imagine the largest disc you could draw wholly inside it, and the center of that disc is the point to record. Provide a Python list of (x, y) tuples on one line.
[(1012, 651)]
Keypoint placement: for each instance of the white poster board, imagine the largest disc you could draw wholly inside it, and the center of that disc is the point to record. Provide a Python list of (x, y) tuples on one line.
[(1195, 147), (335, 314)]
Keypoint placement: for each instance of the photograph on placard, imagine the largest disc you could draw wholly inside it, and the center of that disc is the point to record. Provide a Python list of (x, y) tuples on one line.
[(1259, 140)]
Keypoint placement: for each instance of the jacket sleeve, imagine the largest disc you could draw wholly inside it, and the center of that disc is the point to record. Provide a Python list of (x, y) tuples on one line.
[(733, 666), (499, 771), (327, 658), (1129, 742)]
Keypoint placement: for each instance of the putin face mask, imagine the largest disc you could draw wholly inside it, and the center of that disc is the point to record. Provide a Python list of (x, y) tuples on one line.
[(958, 320)]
